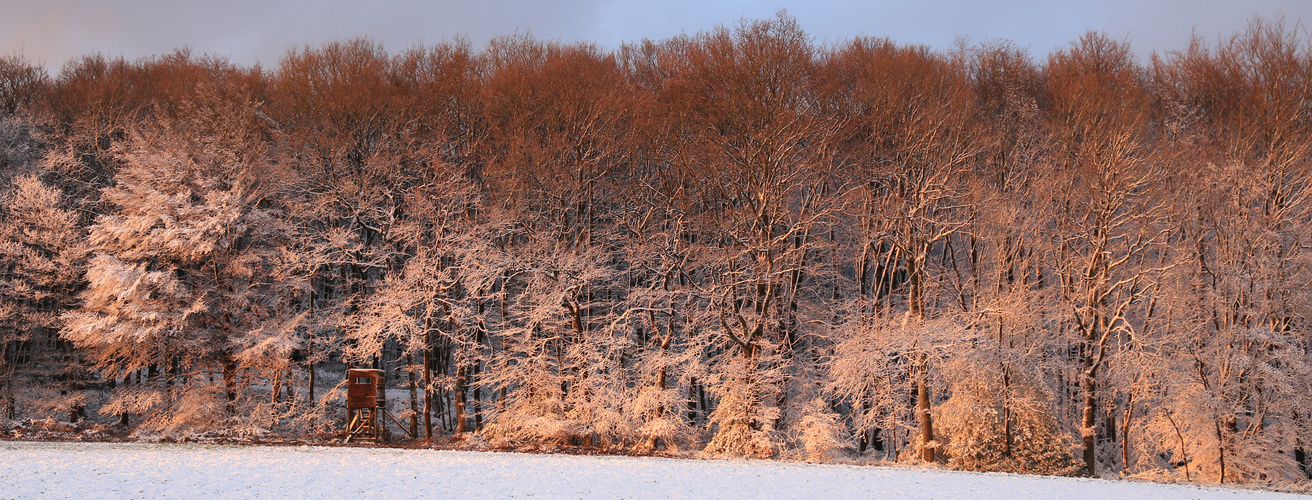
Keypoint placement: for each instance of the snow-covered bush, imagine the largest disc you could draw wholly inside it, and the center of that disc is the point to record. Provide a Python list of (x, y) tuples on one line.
[(989, 425), (743, 421), (822, 433)]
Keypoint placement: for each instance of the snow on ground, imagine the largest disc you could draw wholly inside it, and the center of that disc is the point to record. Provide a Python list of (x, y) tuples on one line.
[(105, 470)]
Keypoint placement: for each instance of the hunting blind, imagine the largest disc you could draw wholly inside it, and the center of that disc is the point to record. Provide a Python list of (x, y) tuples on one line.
[(365, 400)]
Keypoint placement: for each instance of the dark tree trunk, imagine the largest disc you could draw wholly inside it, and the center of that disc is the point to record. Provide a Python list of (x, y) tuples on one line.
[(290, 384), (692, 401), (276, 382), (1125, 434), (1220, 453), (414, 396), (478, 400), (461, 380), (230, 384), (428, 387), (1300, 456), (1008, 440), (1087, 424), (310, 367)]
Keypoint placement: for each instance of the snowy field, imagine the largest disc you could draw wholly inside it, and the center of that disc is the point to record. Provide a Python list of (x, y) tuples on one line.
[(101, 470)]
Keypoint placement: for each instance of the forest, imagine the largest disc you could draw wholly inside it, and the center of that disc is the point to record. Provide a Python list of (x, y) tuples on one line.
[(735, 243)]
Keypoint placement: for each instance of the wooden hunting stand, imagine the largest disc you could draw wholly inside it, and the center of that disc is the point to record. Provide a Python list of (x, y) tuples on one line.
[(365, 405)]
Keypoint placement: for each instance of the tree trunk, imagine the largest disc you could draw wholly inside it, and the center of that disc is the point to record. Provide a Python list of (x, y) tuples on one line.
[(309, 343), (1008, 440), (310, 367), (692, 401), (478, 400), (461, 374), (1125, 434), (290, 384), (123, 417), (653, 441), (230, 384), (661, 375), (276, 381), (1220, 452), (1184, 452), (414, 396), (702, 402), (1087, 424), (915, 297), (926, 421), (428, 388)]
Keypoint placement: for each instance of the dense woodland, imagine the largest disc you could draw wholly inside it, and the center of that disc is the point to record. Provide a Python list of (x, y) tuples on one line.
[(737, 243)]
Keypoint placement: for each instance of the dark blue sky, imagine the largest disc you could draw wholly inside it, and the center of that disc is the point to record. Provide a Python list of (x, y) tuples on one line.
[(247, 31)]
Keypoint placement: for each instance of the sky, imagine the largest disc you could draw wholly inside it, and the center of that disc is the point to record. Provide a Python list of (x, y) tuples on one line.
[(249, 31)]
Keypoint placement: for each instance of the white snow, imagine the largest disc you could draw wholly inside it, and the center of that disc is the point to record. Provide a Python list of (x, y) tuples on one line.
[(103, 470)]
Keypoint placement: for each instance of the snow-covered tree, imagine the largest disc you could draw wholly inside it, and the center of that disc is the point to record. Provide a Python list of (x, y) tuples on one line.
[(41, 254), (182, 278)]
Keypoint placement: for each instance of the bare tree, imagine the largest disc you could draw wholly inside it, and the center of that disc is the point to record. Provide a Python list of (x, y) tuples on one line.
[(1108, 225)]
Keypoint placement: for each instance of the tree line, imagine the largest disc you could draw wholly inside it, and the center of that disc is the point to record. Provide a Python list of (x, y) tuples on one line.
[(738, 242)]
